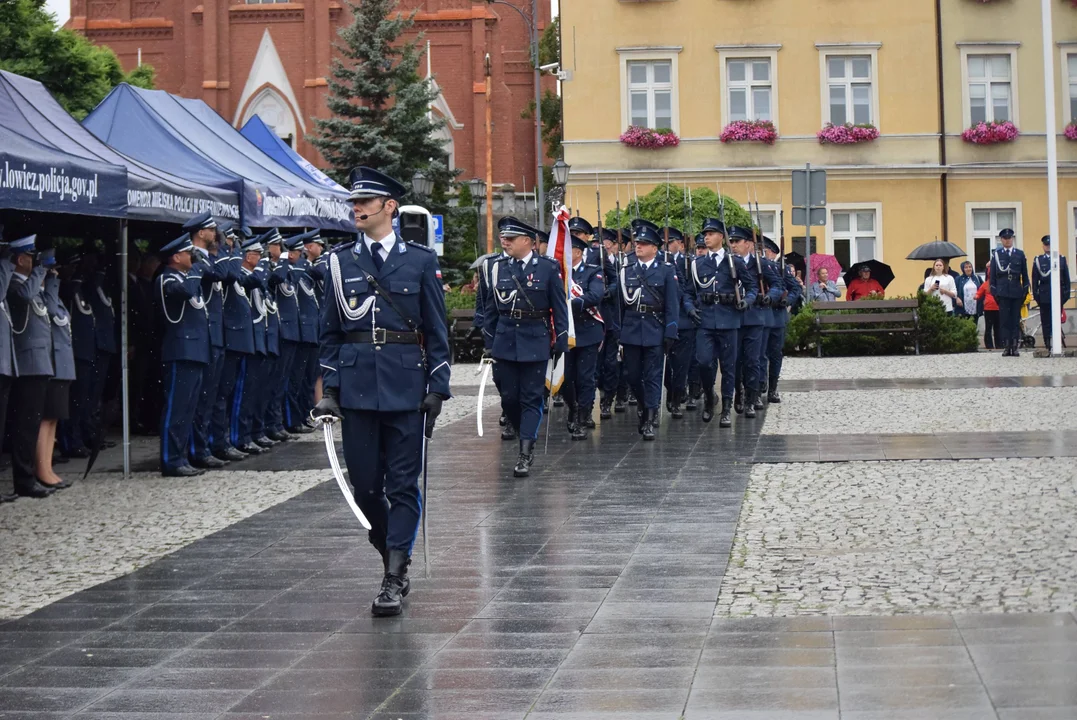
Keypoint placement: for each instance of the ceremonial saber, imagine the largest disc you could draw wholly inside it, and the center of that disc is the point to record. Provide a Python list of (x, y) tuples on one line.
[(426, 500), (482, 392), (334, 463)]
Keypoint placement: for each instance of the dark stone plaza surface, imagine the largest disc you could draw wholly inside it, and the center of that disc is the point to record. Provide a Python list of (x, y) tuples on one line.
[(586, 591)]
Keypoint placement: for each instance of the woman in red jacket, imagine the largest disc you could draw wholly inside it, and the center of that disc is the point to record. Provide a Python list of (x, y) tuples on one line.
[(992, 321)]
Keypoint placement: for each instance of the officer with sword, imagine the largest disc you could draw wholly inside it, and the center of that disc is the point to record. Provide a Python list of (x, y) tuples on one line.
[(385, 363)]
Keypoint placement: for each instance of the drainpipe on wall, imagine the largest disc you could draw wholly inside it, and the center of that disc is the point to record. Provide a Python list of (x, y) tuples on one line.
[(943, 186)]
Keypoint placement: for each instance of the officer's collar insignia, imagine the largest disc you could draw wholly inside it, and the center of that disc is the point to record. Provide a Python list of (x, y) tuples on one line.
[(402, 249)]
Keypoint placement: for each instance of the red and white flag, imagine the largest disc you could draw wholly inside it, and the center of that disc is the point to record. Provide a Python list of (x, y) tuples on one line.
[(560, 249)]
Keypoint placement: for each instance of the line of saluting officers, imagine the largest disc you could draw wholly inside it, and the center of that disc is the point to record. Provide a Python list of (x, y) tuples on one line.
[(239, 348), (643, 317)]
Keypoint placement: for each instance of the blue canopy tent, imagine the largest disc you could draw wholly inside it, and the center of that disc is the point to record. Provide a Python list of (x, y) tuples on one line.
[(270, 143), (187, 135)]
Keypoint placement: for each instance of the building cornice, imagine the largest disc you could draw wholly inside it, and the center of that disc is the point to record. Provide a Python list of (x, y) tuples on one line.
[(650, 48), (750, 46), (850, 45), (988, 43)]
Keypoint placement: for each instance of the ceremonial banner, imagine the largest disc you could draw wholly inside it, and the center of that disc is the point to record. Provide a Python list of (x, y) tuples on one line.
[(560, 249)]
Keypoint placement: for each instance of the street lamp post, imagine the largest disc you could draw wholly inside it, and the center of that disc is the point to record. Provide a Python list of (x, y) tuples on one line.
[(478, 192), (560, 179), (532, 27)]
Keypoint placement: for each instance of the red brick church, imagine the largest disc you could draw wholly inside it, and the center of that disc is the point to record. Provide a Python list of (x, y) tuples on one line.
[(271, 58)]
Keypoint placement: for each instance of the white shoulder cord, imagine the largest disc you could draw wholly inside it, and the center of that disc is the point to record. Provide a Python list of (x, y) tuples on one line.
[(503, 298), (104, 299), (309, 292), (82, 305), (164, 301), (241, 290), (259, 304), (695, 276), (353, 314), (1047, 272), (629, 299)]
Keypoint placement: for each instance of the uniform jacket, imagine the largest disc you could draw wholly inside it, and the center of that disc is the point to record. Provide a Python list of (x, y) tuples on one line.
[(1009, 274), (255, 286), (793, 293), (8, 366), (392, 377), (104, 315), (63, 355), (1041, 279), (307, 296), (611, 305), (535, 288), (756, 314), (30, 323), (238, 327), (216, 271), (83, 323), (184, 315), (650, 300), (589, 330), (282, 288), (682, 265), (775, 285), (319, 269), (712, 290)]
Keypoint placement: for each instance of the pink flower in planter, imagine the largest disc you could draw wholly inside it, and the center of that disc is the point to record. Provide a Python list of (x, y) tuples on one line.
[(1071, 131), (750, 131), (847, 134), (991, 133), (642, 137)]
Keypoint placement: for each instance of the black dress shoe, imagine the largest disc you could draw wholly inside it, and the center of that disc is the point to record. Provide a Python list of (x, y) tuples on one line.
[(5, 498), (62, 485), (252, 449), (108, 444), (300, 430), (264, 442), (508, 432), (619, 406), (229, 453), (502, 420), (725, 420), (79, 452), (523, 462), (558, 401), (605, 411), (709, 399), (182, 471), (208, 463), (693, 402), (279, 436), (37, 490)]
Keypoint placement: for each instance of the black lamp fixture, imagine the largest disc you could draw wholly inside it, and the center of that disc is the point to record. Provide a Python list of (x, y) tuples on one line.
[(560, 172), (421, 184)]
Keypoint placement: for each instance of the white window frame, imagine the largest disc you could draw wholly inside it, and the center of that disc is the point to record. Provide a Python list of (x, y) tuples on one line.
[(747, 52), (1071, 226), (970, 234), (1002, 48), (1067, 49), (645, 54), (876, 207), (828, 50), (771, 209)]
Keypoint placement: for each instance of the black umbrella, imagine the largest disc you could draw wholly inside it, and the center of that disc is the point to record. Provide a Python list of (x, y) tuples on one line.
[(936, 250), (796, 260), (481, 259), (879, 271)]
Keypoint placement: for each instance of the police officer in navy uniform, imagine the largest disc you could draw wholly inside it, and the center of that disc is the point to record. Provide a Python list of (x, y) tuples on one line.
[(609, 361), (680, 355), (315, 246), (33, 359), (775, 287), (1041, 287), (482, 297), (651, 301), (78, 429), (250, 425), (527, 293), (581, 361), (300, 382), (721, 300), (753, 324), (385, 361), (268, 404), (7, 350), (185, 351), (96, 291), (1008, 275), (791, 294), (283, 291), (695, 385)]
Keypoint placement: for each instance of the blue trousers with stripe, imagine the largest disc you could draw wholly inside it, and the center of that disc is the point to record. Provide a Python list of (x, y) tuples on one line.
[(248, 399), (523, 385), (643, 368), (225, 410), (274, 417), (182, 385), (383, 451), (201, 444), (299, 400), (717, 349)]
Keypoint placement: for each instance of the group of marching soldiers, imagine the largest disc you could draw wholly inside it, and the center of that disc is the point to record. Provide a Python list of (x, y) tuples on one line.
[(647, 311)]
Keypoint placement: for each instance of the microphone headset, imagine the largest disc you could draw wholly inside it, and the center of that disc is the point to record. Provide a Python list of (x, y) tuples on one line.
[(379, 212)]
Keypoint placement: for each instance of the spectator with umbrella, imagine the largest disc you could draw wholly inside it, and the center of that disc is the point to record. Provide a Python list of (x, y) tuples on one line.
[(868, 279), (825, 289)]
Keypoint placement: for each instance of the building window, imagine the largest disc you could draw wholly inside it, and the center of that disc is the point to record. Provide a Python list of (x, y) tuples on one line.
[(854, 235), (850, 89), (986, 225), (990, 91), (650, 93), (1071, 74), (749, 89)]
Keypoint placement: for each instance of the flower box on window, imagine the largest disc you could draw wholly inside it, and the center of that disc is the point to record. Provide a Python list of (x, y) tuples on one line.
[(991, 133), (847, 134), (750, 131), (1071, 131), (648, 139)]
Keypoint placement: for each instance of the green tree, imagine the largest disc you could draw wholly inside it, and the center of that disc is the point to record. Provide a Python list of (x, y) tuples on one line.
[(549, 52), (77, 72), (669, 201), (379, 103)]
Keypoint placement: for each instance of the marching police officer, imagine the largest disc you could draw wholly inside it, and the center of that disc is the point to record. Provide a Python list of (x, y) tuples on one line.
[(581, 360), (1041, 287), (695, 385), (482, 297), (33, 360), (305, 368), (526, 293), (1009, 280), (185, 351), (649, 329), (680, 356), (791, 293), (752, 325), (249, 402), (609, 360), (721, 296), (7, 350), (775, 290), (385, 357)]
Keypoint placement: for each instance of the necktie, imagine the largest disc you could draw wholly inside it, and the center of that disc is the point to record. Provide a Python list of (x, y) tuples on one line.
[(376, 252)]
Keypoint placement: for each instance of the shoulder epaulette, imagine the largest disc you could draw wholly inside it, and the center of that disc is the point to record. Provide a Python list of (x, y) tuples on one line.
[(420, 247), (341, 246), (550, 260)]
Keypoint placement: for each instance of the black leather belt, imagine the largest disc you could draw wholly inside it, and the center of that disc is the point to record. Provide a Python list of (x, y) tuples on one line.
[(525, 314), (654, 309), (381, 336), (718, 299)]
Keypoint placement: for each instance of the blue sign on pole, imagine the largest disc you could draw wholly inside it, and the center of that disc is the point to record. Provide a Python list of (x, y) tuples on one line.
[(439, 234)]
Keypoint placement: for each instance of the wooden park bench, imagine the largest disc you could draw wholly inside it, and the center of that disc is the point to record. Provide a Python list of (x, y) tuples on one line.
[(848, 318), (460, 346)]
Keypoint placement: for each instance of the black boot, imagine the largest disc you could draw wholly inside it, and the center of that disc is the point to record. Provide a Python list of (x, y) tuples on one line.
[(749, 404), (508, 432), (649, 416), (693, 401), (632, 398), (738, 400), (502, 421), (1016, 352), (576, 428), (586, 417), (605, 409), (772, 395), (726, 419), (572, 421), (527, 456), (676, 410), (558, 401), (640, 415), (394, 587), (619, 405), (708, 405), (757, 399)]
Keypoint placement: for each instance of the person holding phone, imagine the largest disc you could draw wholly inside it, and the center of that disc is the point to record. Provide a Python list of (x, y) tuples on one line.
[(940, 284)]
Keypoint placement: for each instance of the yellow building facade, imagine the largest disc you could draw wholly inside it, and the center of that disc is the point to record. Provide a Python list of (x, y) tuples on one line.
[(920, 71)]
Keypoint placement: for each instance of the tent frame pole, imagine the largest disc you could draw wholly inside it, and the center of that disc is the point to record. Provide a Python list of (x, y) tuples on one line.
[(124, 374)]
